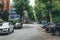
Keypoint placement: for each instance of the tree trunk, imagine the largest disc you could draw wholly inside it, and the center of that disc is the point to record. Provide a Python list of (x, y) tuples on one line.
[(50, 16), (50, 11)]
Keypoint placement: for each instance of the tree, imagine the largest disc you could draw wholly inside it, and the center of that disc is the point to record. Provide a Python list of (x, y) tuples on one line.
[(20, 6), (51, 8), (39, 7), (56, 11), (1, 6), (30, 12), (5, 15)]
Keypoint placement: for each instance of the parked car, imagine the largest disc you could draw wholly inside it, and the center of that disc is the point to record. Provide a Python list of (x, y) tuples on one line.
[(56, 30), (49, 26), (6, 27), (44, 23), (17, 25), (44, 26)]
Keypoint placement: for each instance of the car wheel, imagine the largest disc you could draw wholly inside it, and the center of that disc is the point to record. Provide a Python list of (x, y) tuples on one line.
[(12, 30), (46, 30), (43, 27), (57, 33)]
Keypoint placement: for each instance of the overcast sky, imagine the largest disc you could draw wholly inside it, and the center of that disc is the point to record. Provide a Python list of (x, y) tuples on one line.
[(31, 2)]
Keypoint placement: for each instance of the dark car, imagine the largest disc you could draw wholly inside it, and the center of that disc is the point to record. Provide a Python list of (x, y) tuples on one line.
[(56, 30), (49, 27), (17, 25), (44, 26)]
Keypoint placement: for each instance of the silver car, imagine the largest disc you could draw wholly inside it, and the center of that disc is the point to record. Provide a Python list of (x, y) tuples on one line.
[(6, 27)]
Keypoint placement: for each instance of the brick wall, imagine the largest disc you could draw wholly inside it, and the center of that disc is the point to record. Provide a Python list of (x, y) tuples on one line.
[(6, 4)]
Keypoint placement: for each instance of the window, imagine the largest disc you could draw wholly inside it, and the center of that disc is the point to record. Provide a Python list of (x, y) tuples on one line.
[(12, 17), (17, 16), (12, 13)]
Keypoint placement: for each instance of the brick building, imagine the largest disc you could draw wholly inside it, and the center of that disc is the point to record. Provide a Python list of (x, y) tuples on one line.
[(5, 3), (10, 7)]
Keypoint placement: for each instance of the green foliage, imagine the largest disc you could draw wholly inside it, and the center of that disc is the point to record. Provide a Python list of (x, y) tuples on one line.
[(20, 6), (43, 7), (39, 9), (56, 19), (30, 12), (5, 15), (12, 21)]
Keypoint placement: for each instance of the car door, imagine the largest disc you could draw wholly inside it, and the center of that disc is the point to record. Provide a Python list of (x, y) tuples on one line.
[(58, 27)]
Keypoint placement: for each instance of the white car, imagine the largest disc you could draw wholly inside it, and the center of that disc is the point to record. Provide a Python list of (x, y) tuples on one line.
[(6, 27)]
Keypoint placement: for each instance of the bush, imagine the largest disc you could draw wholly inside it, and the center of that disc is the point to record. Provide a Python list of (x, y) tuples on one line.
[(14, 21), (5, 15), (56, 19)]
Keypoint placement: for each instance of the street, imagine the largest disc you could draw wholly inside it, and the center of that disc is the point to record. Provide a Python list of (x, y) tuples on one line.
[(29, 33), (29, 19)]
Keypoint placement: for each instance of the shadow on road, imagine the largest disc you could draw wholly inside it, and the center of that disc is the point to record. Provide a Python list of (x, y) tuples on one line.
[(5, 34)]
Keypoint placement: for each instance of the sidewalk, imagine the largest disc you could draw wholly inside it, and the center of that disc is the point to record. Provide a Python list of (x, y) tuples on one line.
[(47, 36)]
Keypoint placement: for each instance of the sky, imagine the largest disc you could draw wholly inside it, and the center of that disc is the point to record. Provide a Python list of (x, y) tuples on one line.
[(32, 3), (10, 1)]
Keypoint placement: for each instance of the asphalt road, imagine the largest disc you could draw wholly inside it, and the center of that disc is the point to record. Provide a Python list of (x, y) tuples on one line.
[(29, 33)]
